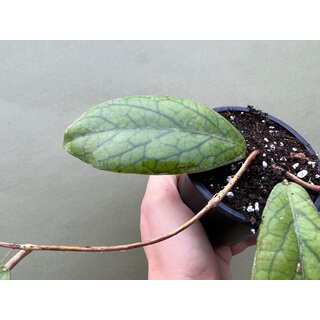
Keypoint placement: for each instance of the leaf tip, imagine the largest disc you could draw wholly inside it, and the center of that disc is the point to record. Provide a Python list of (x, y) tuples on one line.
[(66, 140)]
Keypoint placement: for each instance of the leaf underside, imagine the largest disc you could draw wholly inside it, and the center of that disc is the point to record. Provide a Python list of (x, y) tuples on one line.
[(4, 274), (288, 244), (154, 135)]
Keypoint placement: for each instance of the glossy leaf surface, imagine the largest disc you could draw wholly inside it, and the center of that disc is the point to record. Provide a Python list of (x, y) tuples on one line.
[(288, 245), (154, 135), (4, 274)]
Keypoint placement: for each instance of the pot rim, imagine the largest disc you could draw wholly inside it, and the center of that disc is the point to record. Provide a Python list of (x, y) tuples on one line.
[(228, 211)]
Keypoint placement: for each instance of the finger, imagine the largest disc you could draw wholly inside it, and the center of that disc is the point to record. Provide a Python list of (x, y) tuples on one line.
[(161, 186), (162, 211), (162, 208)]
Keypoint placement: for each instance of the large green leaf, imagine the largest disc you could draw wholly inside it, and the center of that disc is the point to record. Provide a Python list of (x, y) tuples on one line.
[(288, 245), (4, 274), (154, 135)]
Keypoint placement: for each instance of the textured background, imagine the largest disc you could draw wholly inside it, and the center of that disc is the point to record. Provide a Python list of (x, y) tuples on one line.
[(47, 196)]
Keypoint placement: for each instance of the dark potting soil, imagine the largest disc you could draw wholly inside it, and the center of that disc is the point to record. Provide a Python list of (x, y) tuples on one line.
[(278, 147)]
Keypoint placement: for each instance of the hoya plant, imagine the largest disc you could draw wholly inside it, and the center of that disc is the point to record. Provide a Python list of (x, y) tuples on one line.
[(170, 135)]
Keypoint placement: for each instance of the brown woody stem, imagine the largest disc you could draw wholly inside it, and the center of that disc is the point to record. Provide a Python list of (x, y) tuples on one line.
[(211, 204), (16, 259), (294, 178)]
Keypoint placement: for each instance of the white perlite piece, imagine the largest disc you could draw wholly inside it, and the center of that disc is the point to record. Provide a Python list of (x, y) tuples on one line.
[(250, 208), (317, 176), (232, 117), (266, 139), (253, 230), (264, 164), (312, 164), (295, 166), (281, 144), (301, 174), (256, 206), (230, 194), (294, 149), (229, 178)]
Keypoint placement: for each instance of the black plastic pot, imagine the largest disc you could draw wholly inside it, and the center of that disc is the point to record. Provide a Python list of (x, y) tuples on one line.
[(223, 224)]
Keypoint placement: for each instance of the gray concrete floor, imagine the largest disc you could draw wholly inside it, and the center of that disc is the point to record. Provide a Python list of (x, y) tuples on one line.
[(49, 197)]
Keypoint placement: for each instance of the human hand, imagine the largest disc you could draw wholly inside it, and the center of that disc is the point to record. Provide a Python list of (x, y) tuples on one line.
[(189, 254)]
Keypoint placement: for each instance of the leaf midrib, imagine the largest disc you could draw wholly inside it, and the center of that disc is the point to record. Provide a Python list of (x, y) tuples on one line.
[(203, 133)]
